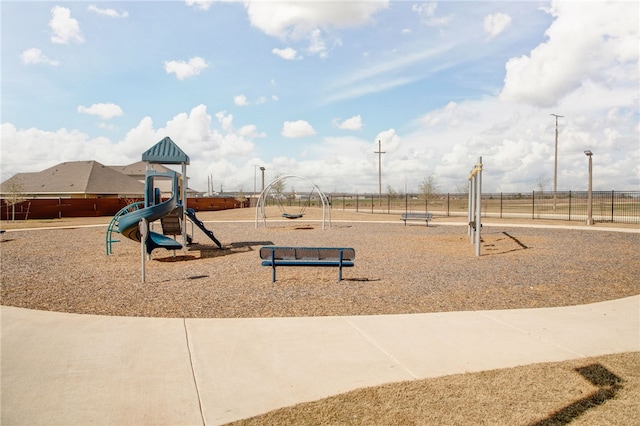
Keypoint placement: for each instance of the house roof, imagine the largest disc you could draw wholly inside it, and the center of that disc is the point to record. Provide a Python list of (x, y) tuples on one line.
[(165, 152), (79, 177), (139, 168)]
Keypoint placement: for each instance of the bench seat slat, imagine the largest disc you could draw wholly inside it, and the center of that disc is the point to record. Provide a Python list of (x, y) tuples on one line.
[(416, 216), (306, 263), (339, 257)]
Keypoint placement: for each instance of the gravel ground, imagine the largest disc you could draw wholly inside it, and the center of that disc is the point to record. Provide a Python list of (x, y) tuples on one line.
[(399, 269)]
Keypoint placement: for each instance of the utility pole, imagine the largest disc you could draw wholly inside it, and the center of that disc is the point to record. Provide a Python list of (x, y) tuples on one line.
[(555, 164), (379, 152)]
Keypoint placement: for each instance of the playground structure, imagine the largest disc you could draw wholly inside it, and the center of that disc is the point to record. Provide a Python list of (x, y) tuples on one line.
[(133, 221), (275, 191), (475, 205)]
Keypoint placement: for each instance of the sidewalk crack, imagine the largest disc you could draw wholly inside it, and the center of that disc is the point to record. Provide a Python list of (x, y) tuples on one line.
[(193, 372), (373, 342)]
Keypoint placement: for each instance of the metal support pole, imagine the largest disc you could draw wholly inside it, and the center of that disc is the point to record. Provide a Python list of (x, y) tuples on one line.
[(183, 197), (143, 226), (555, 164), (471, 207), (590, 194), (379, 152), (479, 205)]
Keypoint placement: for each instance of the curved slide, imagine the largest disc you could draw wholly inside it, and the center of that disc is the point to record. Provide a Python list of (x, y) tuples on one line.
[(128, 225)]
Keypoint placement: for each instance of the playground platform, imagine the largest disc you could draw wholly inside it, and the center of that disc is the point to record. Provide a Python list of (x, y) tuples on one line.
[(60, 368)]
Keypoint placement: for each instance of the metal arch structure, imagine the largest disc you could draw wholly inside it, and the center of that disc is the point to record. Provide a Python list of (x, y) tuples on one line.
[(261, 204)]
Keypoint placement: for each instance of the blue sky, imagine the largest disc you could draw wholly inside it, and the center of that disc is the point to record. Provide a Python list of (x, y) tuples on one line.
[(309, 87)]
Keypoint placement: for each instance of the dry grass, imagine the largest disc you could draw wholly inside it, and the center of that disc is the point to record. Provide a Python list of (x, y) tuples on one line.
[(595, 391), (398, 270)]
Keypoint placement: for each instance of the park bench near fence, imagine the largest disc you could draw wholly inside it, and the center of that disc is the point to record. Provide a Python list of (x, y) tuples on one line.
[(426, 217), (339, 257)]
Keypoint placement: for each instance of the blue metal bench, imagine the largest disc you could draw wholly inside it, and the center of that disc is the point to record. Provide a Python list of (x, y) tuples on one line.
[(339, 257), (416, 216)]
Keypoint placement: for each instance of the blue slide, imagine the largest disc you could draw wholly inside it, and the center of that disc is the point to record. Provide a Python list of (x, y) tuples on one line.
[(128, 224)]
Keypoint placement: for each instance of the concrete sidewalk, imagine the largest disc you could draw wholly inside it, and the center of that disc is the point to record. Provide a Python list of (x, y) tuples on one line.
[(73, 369)]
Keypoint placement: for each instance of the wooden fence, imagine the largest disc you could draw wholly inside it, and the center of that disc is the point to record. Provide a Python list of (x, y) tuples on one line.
[(40, 208)]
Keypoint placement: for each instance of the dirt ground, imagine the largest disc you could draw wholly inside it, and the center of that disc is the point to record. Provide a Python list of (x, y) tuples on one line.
[(398, 269)]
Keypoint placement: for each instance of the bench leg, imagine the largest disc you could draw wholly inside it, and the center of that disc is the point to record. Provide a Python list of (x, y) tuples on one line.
[(273, 266)]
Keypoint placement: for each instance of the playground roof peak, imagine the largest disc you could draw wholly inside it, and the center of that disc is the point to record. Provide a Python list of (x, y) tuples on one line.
[(165, 152)]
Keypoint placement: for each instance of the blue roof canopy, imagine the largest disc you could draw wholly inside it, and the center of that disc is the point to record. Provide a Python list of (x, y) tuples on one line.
[(165, 152)]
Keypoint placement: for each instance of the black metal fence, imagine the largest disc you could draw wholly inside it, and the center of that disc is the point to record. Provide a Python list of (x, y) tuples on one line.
[(607, 206)]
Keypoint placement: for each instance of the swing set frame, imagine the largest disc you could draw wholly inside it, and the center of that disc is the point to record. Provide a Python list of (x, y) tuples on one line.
[(269, 189)]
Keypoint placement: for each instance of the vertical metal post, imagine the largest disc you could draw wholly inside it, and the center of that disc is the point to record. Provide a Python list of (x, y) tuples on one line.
[(448, 203), (555, 164), (471, 206), (183, 196), (143, 226), (406, 203), (612, 197), (590, 194), (569, 206), (479, 206), (533, 205), (379, 152)]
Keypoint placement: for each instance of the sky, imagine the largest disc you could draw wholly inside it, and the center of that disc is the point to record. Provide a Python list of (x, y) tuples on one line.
[(317, 88)]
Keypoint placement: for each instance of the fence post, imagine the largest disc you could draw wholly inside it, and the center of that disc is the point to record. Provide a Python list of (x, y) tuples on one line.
[(406, 202), (501, 205), (569, 206), (612, 196), (533, 205), (448, 202)]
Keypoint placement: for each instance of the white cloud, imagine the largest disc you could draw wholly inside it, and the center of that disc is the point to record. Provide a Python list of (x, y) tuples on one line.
[(427, 13), (299, 19), (353, 123), (310, 20), (427, 9), (496, 24), (297, 129), (105, 111), (240, 100), (200, 4), (64, 28), (317, 45), (206, 141), (184, 69), (112, 13), (35, 56), (587, 41), (225, 120), (287, 53)]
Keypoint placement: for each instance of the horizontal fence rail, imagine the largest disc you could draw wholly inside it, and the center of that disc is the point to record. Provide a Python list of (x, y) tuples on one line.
[(608, 206)]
